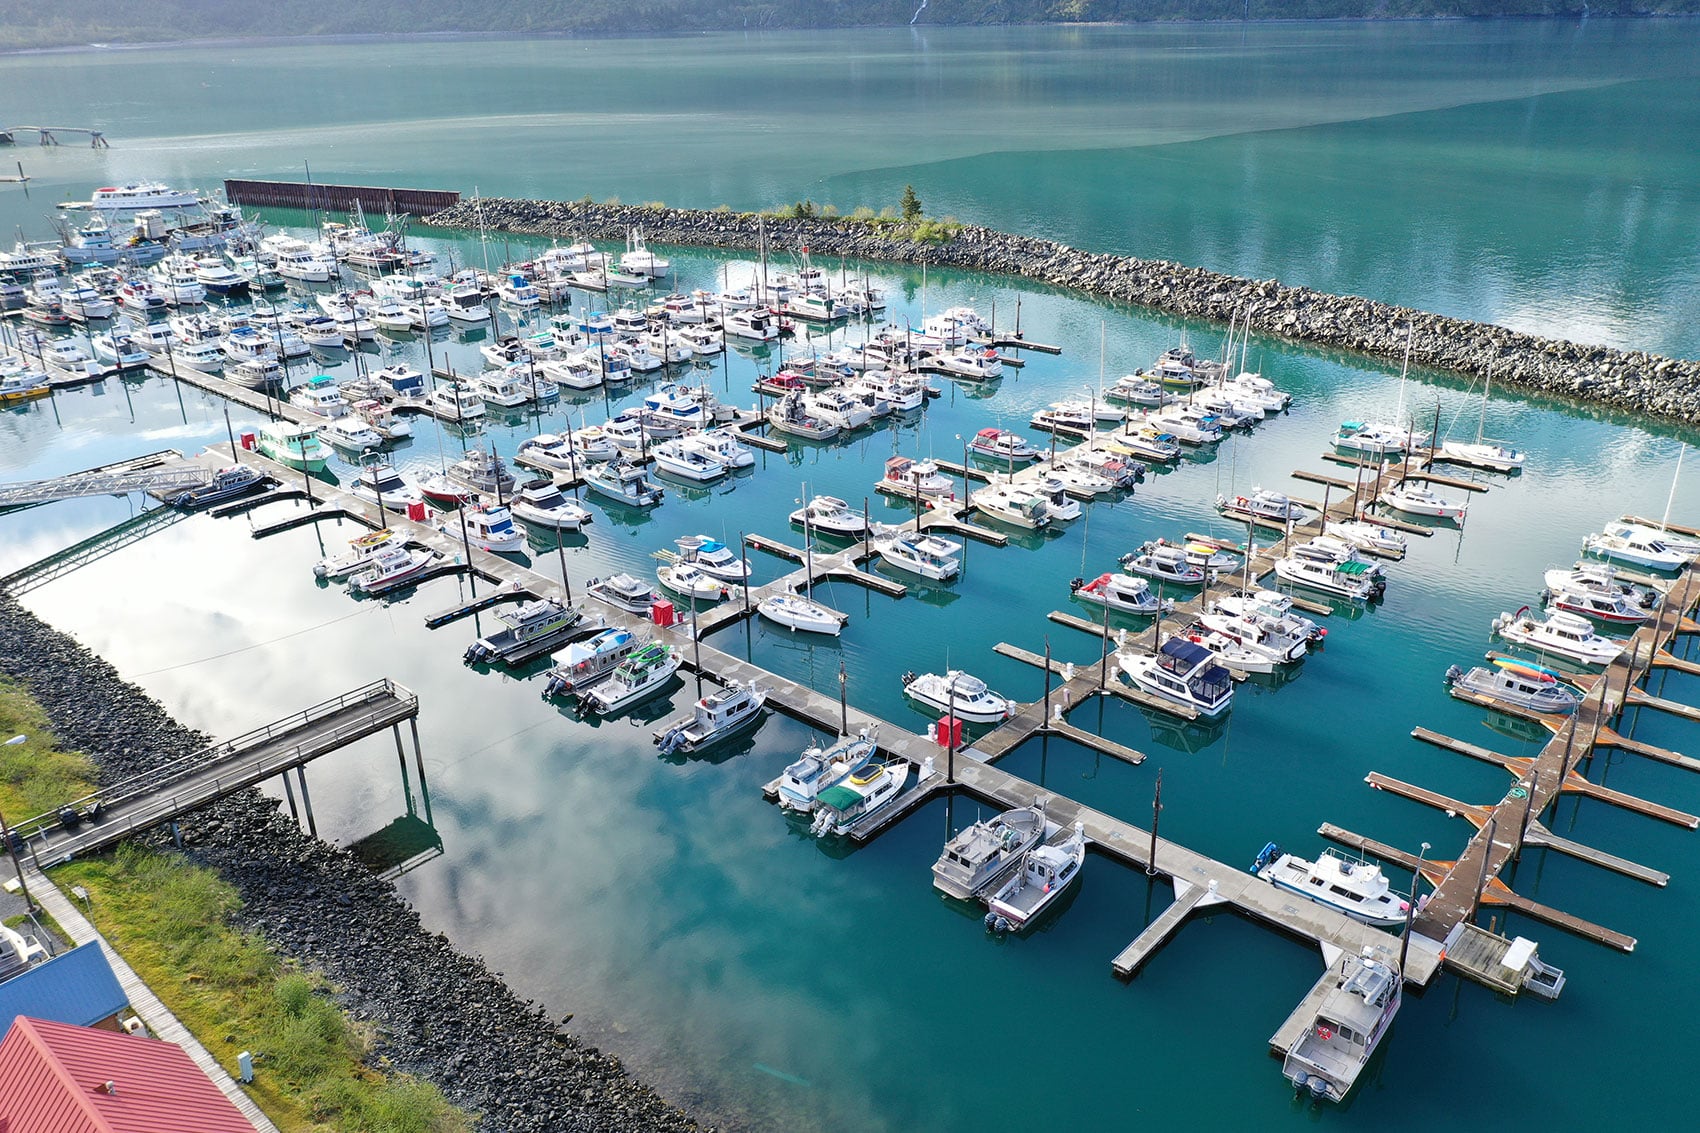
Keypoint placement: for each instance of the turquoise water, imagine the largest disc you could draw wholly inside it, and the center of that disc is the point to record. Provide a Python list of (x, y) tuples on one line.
[(770, 982)]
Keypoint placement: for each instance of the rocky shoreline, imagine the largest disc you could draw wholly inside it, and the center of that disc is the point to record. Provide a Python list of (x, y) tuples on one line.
[(1630, 380), (437, 1013)]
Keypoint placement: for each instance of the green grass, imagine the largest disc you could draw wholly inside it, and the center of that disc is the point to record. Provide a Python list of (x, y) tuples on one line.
[(171, 921), (35, 776)]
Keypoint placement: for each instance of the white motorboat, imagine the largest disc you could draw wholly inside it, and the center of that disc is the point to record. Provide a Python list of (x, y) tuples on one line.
[(1415, 500), (1596, 595), (1044, 875), (1264, 638), (1144, 441), (490, 527), (679, 458), (796, 612), (858, 796), (1076, 479), (722, 445), (926, 555), (1568, 635), (1011, 504), (476, 473), (584, 663), (1262, 505), (792, 416), (623, 482), (1631, 548), (1069, 418), (639, 260), (910, 477), (539, 503), (830, 515), (958, 694), (1674, 541), (1261, 390), (1336, 1043), (689, 580), (577, 371), (1127, 593), (457, 402), (1320, 566), (351, 434), (1136, 389), (640, 676), (1167, 563), (758, 325), (136, 195), (1351, 886), (713, 558), (554, 451), (1183, 672), (117, 347), (1377, 440), (394, 566), (1059, 505), (626, 592), (838, 406), (1367, 535), (1514, 684), (382, 419), (713, 718), (1189, 424), (518, 291), (1272, 613), (361, 555), (1484, 454), (380, 482), (983, 855), (817, 769)]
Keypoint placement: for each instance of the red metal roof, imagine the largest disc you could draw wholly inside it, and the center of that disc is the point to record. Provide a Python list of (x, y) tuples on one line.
[(56, 1078)]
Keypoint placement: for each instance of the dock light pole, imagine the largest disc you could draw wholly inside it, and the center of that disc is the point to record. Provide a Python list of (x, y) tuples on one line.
[(1487, 852), (1047, 722), (1103, 662), (951, 723), (1156, 813), (11, 846), (843, 700), (1411, 910), (1528, 786)]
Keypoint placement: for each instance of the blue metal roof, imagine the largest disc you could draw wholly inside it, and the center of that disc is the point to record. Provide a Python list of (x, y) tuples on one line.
[(75, 987)]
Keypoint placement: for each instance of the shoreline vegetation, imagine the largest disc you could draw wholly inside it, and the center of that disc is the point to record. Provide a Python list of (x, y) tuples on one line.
[(1630, 380), (82, 24), (292, 948)]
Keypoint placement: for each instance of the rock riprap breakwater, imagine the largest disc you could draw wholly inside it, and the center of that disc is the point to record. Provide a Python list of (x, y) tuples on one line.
[(1626, 379), (437, 1013)]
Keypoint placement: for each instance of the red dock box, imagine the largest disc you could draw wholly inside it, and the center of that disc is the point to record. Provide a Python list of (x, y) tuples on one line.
[(949, 731), (661, 613), (416, 511), (249, 440)]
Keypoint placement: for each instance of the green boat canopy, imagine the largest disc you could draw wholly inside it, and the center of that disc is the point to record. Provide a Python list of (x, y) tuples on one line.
[(1353, 567), (838, 798)]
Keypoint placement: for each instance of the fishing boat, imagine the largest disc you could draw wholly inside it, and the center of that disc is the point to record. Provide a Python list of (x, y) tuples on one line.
[(584, 663), (1183, 672), (1044, 874), (1367, 535), (1351, 886), (361, 555), (679, 458), (1000, 444), (1640, 549), (981, 856), (118, 348), (1344, 1029), (790, 415), (1568, 635), (539, 503), (1262, 505), (958, 694), (1168, 563), (383, 484), (1261, 637), (860, 795), (817, 769), (626, 592), (1273, 613), (623, 482), (490, 526), (713, 718), (1127, 593), (1514, 684), (20, 383), (1414, 500), (394, 566), (1008, 503), (1594, 591), (226, 484), (475, 474), (530, 630), (1333, 567), (830, 515), (297, 446), (638, 260), (911, 477), (926, 555), (797, 612), (640, 676), (351, 434)]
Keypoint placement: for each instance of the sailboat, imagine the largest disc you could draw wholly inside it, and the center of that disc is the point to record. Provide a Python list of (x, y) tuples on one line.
[(1484, 454), (801, 611)]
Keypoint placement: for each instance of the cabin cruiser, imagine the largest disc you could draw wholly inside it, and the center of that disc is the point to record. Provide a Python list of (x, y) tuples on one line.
[(361, 555), (1332, 566), (381, 483), (858, 796), (1262, 505), (623, 482), (1260, 637), (583, 663), (393, 566), (1066, 417), (539, 503), (1514, 684), (1273, 614), (639, 260), (1145, 441), (1351, 886), (320, 396), (690, 581), (817, 769), (456, 402), (531, 629), (1127, 593), (912, 477), (381, 419), (1136, 389), (980, 856), (713, 558), (640, 676), (1045, 873), (838, 406), (351, 434), (1007, 503), (1166, 563), (720, 444), (117, 347), (791, 415), (797, 612), (626, 592), (1568, 635), (1181, 671), (830, 515), (1672, 540), (926, 555), (678, 458), (555, 451), (488, 526), (1079, 478), (713, 718), (400, 380), (958, 694), (1639, 549), (1377, 440), (1189, 424), (1593, 591), (477, 473), (1367, 535)]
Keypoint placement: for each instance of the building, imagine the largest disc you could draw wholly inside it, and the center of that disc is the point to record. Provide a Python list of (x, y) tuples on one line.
[(75, 987), (65, 1079)]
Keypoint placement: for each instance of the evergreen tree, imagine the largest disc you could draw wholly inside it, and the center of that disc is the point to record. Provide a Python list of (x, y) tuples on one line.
[(911, 204)]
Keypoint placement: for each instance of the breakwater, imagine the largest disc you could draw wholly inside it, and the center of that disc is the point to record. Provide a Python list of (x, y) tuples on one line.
[(1631, 380), (436, 1012)]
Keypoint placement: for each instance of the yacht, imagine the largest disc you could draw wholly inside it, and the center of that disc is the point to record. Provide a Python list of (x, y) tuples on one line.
[(518, 291), (584, 663), (1000, 444), (623, 482), (713, 718), (679, 458), (117, 347), (752, 325), (1167, 563), (489, 527), (554, 451), (958, 694), (926, 555), (456, 402), (858, 796), (1629, 529), (539, 503), (1135, 389), (839, 407), (530, 630), (1181, 671), (1568, 635), (639, 677), (1045, 873), (1640, 549), (1264, 506), (383, 484), (817, 769), (1189, 424), (135, 195), (220, 278), (1145, 441), (511, 388), (1272, 613), (973, 363), (911, 477), (1336, 1043), (392, 567), (1514, 684), (1408, 497), (351, 434), (625, 592), (982, 856), (829, 515), (178, 282), (1008, 503), (320, 396), (1126, 593), (298, 446), (639, 260)]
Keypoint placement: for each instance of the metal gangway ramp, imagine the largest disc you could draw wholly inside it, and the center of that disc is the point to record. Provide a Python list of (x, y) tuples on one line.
[(165, 471), (161, 795)]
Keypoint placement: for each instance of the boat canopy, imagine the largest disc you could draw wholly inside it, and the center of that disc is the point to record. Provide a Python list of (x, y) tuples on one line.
[(1354, 567), (838, 798), (1187, 652)]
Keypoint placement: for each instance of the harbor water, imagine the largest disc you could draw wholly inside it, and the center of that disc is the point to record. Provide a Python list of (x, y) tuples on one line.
[(767, 980)]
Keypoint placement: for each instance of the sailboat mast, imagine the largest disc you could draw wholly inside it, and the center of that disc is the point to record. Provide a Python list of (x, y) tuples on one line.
[(1664, 524)]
